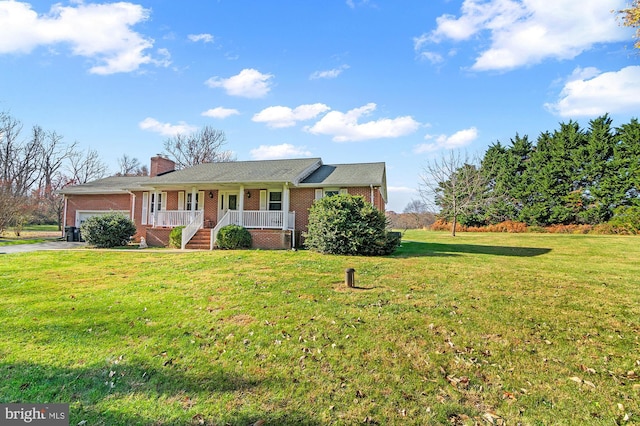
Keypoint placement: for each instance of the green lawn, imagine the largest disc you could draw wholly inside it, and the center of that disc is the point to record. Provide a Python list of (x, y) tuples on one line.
[(480, 328)]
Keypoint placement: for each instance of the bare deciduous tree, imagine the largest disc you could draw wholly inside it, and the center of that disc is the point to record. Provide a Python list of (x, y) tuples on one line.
[(203, 146), (452, 185), (86, 166), (130, 166), (417, 215)]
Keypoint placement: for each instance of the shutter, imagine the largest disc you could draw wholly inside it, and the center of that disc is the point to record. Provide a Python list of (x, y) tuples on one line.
[(200, 200), (263, 199), (344, 191), (319, 193), (163, 201), (180, 200), (145, 207)]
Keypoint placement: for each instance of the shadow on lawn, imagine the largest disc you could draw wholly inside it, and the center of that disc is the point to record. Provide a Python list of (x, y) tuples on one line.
[(418, 249), (94, 393)]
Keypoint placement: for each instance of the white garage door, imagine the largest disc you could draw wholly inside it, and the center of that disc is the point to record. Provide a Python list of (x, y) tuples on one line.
[(82, 215)]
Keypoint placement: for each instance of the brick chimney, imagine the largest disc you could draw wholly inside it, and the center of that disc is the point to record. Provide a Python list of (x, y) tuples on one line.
[(161, 165)]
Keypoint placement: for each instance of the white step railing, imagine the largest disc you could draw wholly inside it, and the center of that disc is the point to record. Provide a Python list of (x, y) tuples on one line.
[(224, 221), (192, 228)]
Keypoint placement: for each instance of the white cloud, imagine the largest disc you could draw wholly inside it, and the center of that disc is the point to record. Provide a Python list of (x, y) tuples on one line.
[(459, 139), (249, 83), (526, 32), (205, 38), (220, 112), (333, 73), (276, 152), (344, 127), (588, 92), (353, 4), (101, 32), (166, 129), (281, 116)]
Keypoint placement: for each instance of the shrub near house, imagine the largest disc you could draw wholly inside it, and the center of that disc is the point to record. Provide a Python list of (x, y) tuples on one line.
[(347, 224), (108, 230)]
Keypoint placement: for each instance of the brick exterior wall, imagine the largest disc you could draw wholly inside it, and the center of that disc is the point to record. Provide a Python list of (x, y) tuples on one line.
[(301, 200), (157, 237), (270, 239), (105, 202)]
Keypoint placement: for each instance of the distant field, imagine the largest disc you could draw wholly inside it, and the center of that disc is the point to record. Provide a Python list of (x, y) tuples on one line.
[(480, 328), (30, 234)]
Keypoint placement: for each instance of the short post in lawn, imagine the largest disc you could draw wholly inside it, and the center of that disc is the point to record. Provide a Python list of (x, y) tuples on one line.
[(349, 277)]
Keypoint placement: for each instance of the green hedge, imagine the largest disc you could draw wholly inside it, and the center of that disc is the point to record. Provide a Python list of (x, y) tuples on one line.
[(347, 224), (108, 230), (175, 237), (233, 237)]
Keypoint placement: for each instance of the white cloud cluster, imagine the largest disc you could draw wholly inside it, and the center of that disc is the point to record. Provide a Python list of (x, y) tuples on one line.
[(166, 129), (101, 32), (249, 83), (281, 116), (275, 152), (459, 139), (205, 38), (327, 74), (589, 92), (525, 32), (345, 127), (220, 112)]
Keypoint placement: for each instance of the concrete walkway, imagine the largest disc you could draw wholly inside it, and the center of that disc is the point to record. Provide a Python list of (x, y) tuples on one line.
[(49, 245)]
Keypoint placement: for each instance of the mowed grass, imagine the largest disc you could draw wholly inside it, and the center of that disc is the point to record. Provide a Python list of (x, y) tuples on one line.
[(481, 328)]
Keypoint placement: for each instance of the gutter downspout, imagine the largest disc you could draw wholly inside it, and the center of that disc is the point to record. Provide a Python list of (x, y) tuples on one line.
[(133, 206), (372, 195), (64, 214)]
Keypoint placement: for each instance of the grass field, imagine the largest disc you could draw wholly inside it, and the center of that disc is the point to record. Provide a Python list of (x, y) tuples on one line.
[(481, 328), (30, 234)]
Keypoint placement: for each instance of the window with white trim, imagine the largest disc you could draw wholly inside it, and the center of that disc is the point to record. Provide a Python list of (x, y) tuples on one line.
[(275, 200), (329, 192), (198, 203)]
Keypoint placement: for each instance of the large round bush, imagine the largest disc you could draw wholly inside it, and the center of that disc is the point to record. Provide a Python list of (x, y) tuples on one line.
[(233, 237), (347, 224), (108, 230)]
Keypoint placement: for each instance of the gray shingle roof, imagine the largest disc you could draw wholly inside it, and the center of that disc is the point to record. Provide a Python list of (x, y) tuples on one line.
[(307, 172), (362, 174), (238, 172), (110, 185)]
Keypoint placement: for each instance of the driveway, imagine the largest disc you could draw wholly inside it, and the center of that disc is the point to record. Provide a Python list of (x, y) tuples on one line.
[(49, 245)]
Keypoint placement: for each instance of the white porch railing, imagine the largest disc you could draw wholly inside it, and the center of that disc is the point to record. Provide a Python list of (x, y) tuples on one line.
[(190, 230), (254, 219), (173, 218)]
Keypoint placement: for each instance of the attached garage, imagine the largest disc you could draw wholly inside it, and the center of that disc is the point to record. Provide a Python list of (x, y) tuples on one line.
[(82, 215)]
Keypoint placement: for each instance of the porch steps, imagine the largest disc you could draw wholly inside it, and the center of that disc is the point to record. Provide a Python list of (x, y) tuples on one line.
[(200, 241)]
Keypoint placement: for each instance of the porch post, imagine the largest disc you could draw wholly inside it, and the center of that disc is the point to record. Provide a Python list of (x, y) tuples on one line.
[(193, 203), (241, 205), (154, 204), (285, 206)]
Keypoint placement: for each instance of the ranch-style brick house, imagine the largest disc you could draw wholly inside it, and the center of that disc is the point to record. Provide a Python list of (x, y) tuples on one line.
[(270, 198)]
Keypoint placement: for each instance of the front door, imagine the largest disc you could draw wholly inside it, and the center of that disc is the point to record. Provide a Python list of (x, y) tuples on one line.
[(228, 201)]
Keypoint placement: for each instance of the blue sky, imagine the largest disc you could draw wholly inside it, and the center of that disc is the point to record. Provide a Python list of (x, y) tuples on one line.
[(345, 80)]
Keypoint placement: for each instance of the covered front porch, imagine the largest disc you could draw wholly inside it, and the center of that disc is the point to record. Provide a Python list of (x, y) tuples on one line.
[(210, 210)]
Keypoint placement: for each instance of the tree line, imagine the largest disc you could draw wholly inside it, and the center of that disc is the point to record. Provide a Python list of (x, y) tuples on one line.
[(36, 163), (568, 176)]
